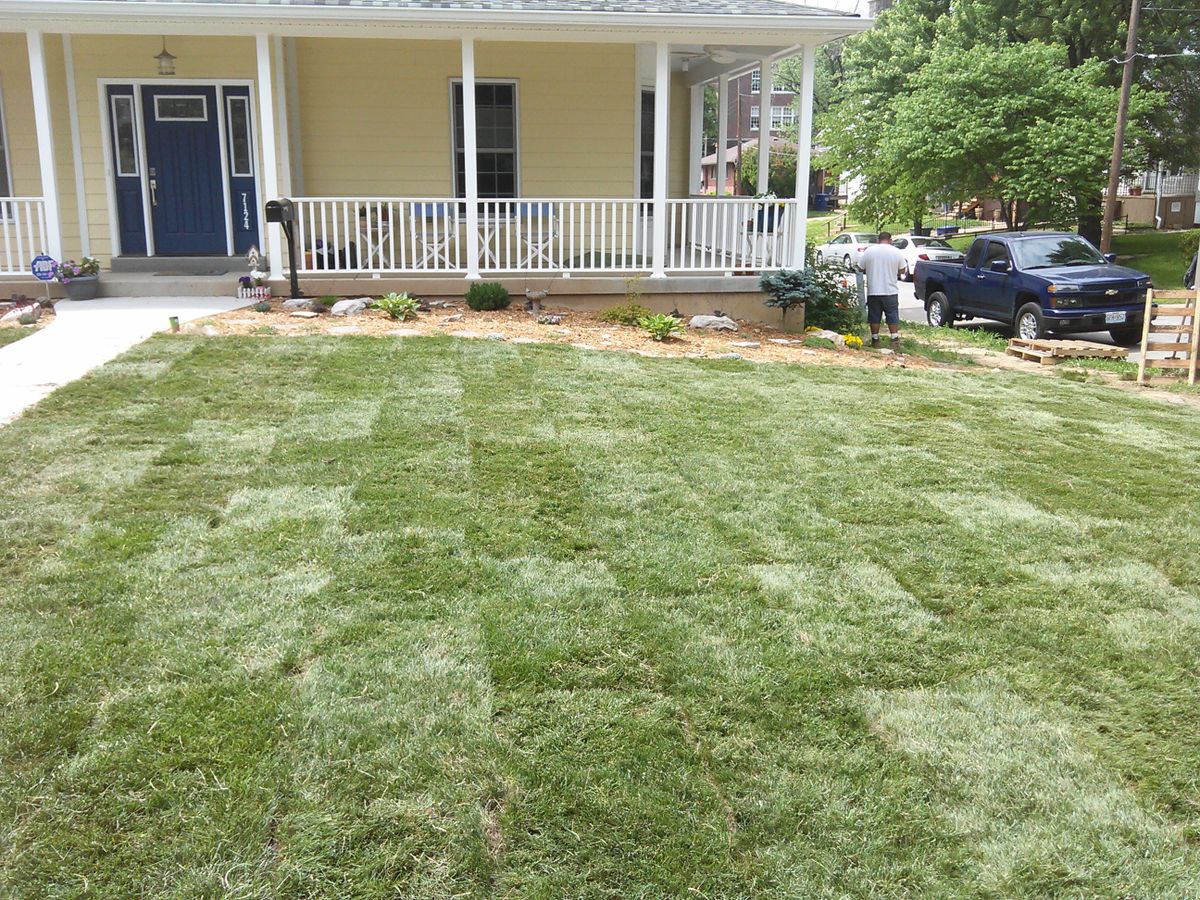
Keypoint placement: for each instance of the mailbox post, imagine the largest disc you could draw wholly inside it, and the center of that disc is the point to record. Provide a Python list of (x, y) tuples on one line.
[(283, 212)]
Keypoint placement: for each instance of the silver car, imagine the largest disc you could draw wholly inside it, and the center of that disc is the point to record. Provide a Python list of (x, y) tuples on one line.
[(917, 246), (846, 247)]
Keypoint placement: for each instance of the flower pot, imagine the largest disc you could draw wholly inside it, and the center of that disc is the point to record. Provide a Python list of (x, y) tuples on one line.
[(83, 287)]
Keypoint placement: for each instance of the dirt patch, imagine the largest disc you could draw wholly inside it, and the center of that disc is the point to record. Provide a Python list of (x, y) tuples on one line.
[(576, 328)]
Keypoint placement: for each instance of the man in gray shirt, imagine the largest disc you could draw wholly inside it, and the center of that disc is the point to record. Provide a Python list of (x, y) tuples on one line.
[(883, 265)]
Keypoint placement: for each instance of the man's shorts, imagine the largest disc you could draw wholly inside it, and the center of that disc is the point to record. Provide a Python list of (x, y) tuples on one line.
[(879, 305)]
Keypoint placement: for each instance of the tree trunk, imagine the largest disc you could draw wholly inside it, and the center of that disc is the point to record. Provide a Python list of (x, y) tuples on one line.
[(1090, 219)]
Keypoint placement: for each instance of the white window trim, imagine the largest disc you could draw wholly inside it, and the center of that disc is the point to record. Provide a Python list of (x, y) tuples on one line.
[(754, 120), (7, 171), (137, 159), (516, 85), (243, 98), (755, 81), (201, 97), (786, 116)]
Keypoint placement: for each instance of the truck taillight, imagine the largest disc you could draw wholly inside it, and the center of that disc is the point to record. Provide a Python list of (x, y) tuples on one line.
[(924, 256)]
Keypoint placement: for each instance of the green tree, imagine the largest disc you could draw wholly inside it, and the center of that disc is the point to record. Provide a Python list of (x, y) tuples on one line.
[(781, 179), (940, 104)]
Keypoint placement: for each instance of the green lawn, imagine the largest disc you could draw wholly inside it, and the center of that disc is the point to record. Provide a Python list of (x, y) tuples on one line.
[(356, 617), (1157, 253), (12, 335)]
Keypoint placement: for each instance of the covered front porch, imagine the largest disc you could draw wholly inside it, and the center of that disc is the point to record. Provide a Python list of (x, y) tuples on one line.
[(413, 142)]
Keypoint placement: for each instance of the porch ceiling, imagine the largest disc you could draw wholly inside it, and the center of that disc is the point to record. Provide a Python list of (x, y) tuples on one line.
[(752, 22)]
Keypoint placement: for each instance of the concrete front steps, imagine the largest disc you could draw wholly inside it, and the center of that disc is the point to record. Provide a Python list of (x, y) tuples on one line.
[(147, 284)]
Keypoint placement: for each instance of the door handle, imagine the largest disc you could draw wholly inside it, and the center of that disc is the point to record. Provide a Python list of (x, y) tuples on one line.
[(154, 192), (980, 277)]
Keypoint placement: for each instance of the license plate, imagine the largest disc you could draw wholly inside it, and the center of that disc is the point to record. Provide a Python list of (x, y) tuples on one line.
[(1114, 318)]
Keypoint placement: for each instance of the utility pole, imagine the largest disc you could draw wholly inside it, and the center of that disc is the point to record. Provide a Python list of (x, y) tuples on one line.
[(1114, 171)]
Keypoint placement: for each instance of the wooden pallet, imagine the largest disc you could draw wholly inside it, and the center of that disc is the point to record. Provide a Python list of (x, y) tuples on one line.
[(1049, 352), (1177, 322)]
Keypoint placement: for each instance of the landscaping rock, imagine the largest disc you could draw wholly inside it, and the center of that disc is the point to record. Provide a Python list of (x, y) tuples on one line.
[(524, 340), (838, 340), (13, 316), (457, 317), (345, 329), (715, 323), (405, 332), (728, 356), (495, 336), (297, 303), (349, 307), (887, 351), (809, 352), (779, 340), (303, 314), (750, 344), (549, 320), (466, 334)]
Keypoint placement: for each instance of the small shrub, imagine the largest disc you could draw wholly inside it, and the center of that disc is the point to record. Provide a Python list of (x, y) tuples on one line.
[(624, 314), (321, 304), (660, 327), (398, 306), (830, 300), (485, 296), (1188, 242), (262, 306), (27, 319), (853, 341)]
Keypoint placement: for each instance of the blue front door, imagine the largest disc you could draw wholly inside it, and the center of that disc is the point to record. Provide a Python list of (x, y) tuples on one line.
[(183, 160)]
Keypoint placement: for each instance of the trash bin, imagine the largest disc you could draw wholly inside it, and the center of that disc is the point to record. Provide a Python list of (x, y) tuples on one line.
[(821, 202)]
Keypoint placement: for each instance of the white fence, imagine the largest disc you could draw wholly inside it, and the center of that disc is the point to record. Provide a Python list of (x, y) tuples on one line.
[(22, 233), (355, 235)]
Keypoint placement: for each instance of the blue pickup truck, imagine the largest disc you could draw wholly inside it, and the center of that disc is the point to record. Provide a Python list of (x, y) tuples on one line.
[(1038, 282)]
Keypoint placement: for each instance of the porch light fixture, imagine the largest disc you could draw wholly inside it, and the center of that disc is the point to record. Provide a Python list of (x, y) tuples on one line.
[(166, 60)]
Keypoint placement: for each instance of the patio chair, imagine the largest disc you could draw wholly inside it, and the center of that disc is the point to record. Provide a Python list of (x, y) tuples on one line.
[(536, 230), (433, 229), (374, 229)]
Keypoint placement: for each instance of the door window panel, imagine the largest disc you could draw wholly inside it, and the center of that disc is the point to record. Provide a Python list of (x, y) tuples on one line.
[(125, 135), (240, 154), (181, 109)]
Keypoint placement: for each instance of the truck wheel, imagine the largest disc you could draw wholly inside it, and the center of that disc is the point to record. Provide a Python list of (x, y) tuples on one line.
[(938, 312), (1126, 337), (1029, 324)]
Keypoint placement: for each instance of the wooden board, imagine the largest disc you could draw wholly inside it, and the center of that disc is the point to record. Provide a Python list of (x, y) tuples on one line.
[(1064, 349)]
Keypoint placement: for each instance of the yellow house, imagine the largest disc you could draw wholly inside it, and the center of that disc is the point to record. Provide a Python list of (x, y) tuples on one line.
[(416, 139)]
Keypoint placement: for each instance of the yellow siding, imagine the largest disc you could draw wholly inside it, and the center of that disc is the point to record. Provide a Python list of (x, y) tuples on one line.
[(22, 136), (375, 115)]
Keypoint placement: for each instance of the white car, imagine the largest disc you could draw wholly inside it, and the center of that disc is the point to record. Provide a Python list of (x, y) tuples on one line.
[(845, 248), (916, 246)]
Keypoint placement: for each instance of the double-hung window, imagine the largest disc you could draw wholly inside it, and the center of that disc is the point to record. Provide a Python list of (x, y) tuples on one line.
[(782, 117), (495, 137)]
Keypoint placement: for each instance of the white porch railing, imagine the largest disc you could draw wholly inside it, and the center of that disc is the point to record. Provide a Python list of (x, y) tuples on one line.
[(730, 235), (22, 233), (405, 236)]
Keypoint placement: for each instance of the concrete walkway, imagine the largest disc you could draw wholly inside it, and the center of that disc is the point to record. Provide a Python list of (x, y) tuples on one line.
[(86, 334)]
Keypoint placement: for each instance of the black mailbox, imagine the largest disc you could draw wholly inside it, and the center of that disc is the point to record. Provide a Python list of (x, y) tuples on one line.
[(280, 211)]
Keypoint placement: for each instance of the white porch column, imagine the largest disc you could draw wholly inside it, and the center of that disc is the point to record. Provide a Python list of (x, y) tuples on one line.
[(282, 122), (45, 143), (270, 155), (85, 239), (662, 124), (695, 138), (765, 87), (722, 132), (470, 156), (803, 156)]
